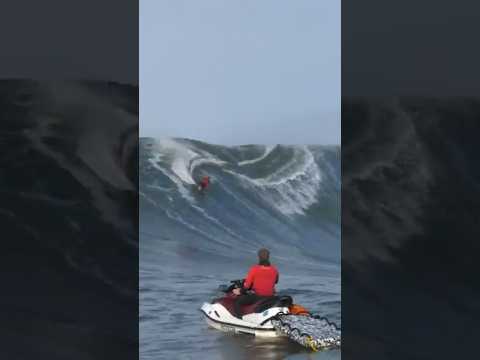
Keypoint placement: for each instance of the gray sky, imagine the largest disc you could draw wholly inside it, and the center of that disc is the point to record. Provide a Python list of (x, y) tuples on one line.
[(241, 72)]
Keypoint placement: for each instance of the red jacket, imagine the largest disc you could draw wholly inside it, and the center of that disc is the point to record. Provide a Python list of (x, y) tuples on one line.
[(204, 182), (262, 279)]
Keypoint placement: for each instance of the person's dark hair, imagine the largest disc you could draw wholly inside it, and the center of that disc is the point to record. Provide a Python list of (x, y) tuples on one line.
[(263, 257)]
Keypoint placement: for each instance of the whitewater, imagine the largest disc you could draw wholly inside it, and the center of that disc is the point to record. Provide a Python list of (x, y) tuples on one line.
[(286, 198)]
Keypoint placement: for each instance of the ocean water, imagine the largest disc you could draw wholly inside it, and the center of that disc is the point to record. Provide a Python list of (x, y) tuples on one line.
[(68, 163), (283, 197), (410, 228)]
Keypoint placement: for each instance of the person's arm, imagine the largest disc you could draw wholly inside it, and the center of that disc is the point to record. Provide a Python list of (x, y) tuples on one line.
[(276, 281), (247, 284)]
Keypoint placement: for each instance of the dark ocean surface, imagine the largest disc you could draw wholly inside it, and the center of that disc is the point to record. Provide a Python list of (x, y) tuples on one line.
[(410, 228), (68, 213)]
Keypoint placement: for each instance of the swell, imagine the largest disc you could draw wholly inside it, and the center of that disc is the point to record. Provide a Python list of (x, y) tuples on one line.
[(282, 196), (411, 201), (68, 214)]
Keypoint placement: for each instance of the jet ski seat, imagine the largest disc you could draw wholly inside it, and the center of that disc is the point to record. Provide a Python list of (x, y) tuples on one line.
[(273, 301)]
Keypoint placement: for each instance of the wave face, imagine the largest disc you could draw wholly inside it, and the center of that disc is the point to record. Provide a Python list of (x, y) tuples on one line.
[(410, 215), (69, 189), (286, 197)]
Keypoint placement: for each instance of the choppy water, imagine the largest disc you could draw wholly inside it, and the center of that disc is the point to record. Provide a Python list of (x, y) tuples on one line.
[(285, 198)]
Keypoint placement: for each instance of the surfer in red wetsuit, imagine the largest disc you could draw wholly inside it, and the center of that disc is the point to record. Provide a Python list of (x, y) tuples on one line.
[(261, 279), (204, 183)]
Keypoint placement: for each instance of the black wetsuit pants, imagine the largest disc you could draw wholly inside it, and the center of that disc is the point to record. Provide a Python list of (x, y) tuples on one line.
[(245, 300)]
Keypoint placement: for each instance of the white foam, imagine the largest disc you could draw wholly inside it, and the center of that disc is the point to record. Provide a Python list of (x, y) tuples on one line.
[(177, 161), (181, 157), (156, 161), (291, 189), (204, 160), (147, 198), (160, 188), (268, 150)]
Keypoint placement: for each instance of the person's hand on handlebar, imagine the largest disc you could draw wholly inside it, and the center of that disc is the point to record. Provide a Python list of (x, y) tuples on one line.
[(237, 291)]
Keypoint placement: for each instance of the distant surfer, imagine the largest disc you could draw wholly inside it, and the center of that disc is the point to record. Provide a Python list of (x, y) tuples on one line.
[(204, 183), (261, 279)]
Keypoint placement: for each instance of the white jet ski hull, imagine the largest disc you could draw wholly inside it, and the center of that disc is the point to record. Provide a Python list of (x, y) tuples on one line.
[(257, 324)]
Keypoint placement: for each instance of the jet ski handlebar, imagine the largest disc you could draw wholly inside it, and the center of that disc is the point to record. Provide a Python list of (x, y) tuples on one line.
[(234, 285)]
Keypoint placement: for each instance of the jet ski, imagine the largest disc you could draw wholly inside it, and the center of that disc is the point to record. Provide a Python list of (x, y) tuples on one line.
[(256, 318)]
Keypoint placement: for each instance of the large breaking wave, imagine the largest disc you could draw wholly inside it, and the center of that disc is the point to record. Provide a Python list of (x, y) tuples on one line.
[(69, 189), (285, 197), (410, 215)]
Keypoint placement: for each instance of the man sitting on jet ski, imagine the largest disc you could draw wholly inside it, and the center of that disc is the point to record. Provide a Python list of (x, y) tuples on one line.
[(261, 279)]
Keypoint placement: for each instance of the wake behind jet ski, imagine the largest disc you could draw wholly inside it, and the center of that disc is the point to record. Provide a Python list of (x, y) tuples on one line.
[(274, 316)]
